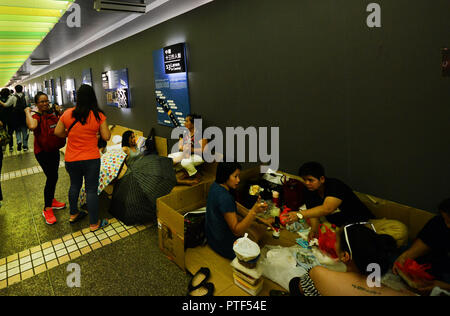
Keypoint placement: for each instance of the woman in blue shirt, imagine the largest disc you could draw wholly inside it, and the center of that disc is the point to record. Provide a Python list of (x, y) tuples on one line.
[(223, 226)]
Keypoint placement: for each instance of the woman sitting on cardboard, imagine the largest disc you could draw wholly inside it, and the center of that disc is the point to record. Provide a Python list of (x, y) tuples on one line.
[(223, 225), (191, 148)]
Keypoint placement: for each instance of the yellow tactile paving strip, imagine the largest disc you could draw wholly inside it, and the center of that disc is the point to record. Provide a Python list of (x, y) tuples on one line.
[(28, 263)]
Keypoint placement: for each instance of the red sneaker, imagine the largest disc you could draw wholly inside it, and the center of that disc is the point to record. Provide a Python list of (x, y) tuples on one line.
[(49, 216), (58, 205)]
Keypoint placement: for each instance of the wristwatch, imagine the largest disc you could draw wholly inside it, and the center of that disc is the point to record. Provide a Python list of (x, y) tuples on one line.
[(299, 215)]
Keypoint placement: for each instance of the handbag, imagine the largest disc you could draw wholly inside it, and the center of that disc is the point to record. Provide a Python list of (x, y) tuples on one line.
[(5, 138), (293, 196), (194, 229)]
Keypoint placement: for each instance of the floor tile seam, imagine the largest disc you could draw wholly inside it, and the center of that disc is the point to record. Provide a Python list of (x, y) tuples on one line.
[(12, 270), (36, 232)]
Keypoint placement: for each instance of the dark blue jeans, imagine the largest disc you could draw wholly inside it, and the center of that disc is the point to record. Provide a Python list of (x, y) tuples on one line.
[(90, 171)]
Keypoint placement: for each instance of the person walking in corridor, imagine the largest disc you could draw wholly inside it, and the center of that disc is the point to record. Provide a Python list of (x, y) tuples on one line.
[(46, 150), (83, 125)]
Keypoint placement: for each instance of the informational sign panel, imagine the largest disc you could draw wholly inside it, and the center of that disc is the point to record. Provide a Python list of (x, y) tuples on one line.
[(174, 59), (171, 85), (115, 83), (86, 77)]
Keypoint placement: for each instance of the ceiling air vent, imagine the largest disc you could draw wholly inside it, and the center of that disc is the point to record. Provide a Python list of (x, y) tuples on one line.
[(105, 5), (40, 62)]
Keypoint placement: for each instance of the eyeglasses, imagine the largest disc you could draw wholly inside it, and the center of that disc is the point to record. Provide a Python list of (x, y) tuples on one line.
[(45, 101), (346, 235)]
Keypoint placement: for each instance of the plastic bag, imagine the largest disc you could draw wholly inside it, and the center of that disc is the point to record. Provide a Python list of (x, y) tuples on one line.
[(5, 138), (306, 259), (280, 265), (413, 273), (246, 249), (327, 241)]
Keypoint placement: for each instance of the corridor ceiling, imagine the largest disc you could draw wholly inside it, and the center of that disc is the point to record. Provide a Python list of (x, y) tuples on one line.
[(23, 25), (65, 30)]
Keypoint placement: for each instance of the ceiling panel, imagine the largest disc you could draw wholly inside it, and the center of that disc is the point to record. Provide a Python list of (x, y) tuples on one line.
[(28, 36), (23, 25)]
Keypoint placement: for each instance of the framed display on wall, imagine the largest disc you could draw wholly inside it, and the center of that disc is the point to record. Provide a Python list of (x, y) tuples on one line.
[(171, 85), (70, 91), (115, 83), (58, 91), (86, 77), (46, 86), (51, 90)]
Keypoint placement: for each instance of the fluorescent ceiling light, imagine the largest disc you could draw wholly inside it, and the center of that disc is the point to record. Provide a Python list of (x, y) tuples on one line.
[(23, 25)]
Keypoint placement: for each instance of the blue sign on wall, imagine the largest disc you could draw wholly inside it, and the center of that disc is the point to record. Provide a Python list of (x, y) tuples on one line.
[(171, 85)]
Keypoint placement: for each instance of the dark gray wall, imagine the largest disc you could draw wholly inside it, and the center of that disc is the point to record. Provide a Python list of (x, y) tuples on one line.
[(370, 104)]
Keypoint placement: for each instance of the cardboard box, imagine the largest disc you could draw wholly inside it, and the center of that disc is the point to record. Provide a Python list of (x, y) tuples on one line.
[(170, 213), (415, 219)]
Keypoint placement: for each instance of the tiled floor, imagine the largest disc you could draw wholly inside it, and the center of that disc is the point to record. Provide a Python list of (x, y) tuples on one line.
[(117, 260)]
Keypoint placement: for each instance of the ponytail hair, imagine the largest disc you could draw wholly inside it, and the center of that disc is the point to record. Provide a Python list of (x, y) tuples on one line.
[(368, 247)]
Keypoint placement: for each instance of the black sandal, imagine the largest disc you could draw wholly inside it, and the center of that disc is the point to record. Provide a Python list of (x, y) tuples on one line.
[(199, 279), (79, 217), (206, 289)]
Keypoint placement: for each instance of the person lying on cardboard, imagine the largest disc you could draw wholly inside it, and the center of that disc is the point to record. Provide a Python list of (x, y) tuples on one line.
[(190, 150), (222, 223), (328, 197), (364, 252), (432, 246)]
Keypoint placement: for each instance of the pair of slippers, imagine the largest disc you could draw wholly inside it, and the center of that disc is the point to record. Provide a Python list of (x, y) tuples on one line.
[(198, 286), (81, 215)]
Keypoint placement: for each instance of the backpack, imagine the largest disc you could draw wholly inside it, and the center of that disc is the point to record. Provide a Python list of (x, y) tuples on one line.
[(21, 103), (47, 139)]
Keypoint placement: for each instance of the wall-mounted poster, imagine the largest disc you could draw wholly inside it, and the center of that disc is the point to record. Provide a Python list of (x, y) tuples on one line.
[(70, 92), (115, 83), (34, 90), (58, 91), (51, 91), (171, 85), (46, 89), (86, 77)]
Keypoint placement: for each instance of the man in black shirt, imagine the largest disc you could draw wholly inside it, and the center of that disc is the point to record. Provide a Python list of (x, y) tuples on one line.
[(328, 197), (433, 246)]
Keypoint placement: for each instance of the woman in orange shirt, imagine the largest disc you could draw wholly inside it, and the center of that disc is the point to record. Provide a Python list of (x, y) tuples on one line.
[(81, 125)]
